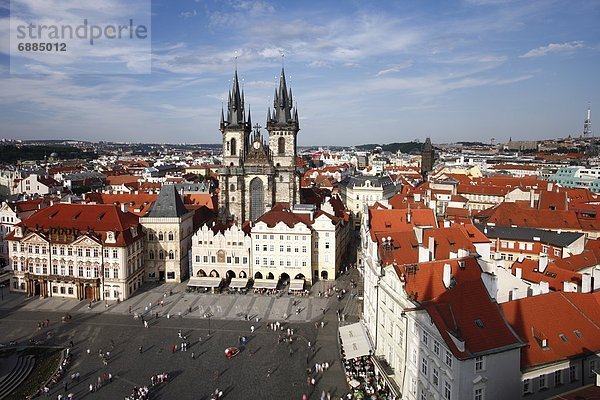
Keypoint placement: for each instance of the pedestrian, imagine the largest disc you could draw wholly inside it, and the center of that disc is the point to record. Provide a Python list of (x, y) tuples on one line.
[(109, 377), (322, 324), (88, 351), (145, 324), (193, 356), (91, 388), (129, 309), (141, 349), (252, 329), (179, 333), (309, 344), (268, 372)]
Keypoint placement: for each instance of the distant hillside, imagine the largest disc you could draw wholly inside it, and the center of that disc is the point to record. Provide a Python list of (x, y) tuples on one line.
[(10, 153), (407, 147)]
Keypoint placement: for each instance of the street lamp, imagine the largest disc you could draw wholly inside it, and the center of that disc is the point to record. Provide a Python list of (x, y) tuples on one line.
[(207, 315)]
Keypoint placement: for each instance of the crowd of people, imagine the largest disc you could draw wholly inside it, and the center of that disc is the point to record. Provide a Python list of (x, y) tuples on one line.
[(138, 393), (365, 380)]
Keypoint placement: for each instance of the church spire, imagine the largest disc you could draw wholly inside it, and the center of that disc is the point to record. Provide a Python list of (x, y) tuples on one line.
[(282, 113), (235, 104)]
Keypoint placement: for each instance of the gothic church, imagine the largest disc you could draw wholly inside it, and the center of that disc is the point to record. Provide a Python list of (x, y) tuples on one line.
[(255, 174)]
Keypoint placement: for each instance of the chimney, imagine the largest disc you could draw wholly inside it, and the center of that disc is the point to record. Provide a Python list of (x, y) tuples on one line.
[(446, 223), (418, 234), (516, 294), (596, 279), (544, 287), (535, 289), (124, 207), (543, 263), (531, 198), (408, 216), (550, 186), (447, 275), (586, 283), (423, 254), (491, 284), (569, 287), (431, 248), (518, 272)]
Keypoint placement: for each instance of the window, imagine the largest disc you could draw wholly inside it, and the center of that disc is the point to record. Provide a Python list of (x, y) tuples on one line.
[(151, 236), (271, 248), (526, 386), (592, 367), (424, 366), (257, 261), (435, 377), (448, 358), (115, 253), (161, 236), (54, 250), (557, 378), (542, 382), (447, 391), (257, 247), (55, 269), (80, 252), (95, 252), (80, 271), (557, 252), (105, 253), (265, 247), (326, 245), (304, 249), (116, 273), (425, 338), (436, 347), (478, 394), (70, 290), (244, 260), (171, 255), (545, 249), (70, 270), (479, 364), (106, 273), (573, 373), (281, 248), (88, 252), (414, 354), (171, 236)]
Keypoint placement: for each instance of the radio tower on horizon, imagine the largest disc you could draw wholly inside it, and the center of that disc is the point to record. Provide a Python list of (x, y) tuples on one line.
[(587, 124)]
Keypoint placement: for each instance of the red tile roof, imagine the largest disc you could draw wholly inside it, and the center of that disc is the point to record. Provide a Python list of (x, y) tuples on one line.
[(426, 281), (467, 313), (552, 274), (550, 315), (448, 240), (138, 204), (82, 218), (395, 220)]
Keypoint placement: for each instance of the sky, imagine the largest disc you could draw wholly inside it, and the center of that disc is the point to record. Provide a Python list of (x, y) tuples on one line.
[(360, 71)]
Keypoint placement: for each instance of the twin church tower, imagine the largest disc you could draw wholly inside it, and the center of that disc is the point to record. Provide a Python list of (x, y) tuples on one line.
[(255, 174)]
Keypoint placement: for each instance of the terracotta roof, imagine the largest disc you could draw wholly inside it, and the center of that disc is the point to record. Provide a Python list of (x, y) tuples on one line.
[(552, 200), (448, 240), (205, 199), (81, 218), (552, 274), (424, 281), (467, 313), (483, 189), (277, 214), (395, 220), (509, 214), (138, 204), (121, 180), (549, 316), (579, 261), (404, 247)]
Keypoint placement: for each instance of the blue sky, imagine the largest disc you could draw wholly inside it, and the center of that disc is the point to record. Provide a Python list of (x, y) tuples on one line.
[(360, 71)]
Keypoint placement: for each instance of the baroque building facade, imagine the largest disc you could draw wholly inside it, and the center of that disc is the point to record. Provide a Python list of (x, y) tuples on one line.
[(255, 173)]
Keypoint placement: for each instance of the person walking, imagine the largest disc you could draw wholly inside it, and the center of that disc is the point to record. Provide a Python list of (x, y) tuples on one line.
[(252, 329), (193, 355), (141, 349), (145, 324)]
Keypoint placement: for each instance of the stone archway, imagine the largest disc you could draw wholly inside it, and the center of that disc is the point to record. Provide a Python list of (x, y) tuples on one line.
[(214, 273), (258, 275), (270, 276), (300, 276), (324, 275), (201, 273)]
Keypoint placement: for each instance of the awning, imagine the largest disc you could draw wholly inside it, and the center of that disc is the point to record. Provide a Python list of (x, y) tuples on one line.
[(205, 281), (238, 283), (265, 284), (297, 284), (355, 340)]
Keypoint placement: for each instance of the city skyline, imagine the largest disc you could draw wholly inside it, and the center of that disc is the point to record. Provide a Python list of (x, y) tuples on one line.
[(361, 73)]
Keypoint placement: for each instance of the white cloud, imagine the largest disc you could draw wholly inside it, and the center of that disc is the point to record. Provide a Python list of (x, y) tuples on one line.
[(554, 48), (255, 8), (393, 68), (188, 14)]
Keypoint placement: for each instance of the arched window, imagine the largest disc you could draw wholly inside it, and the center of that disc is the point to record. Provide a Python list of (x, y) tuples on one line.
[(171, 255), (257, 199), (161, 236), (281, 146), (171, 237), (232, 188), (233, 147), (151, 255), (161, 255)]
